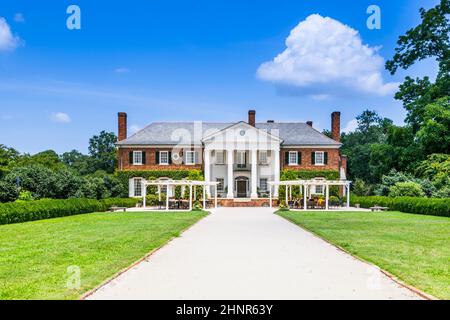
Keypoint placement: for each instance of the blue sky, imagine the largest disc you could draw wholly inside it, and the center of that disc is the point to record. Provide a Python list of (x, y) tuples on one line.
[(183, 60)]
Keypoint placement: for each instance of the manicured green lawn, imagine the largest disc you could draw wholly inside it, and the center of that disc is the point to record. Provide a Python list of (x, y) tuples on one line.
[(34, 256), (415, 248)]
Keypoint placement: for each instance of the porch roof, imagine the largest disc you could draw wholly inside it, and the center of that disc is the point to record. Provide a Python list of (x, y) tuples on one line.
[(312, 182)]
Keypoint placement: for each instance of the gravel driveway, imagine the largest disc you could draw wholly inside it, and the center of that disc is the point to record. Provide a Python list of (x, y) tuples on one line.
[(250, 253)]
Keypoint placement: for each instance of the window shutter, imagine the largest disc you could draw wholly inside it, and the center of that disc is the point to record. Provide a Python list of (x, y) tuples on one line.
[(130, 157), (144, 160), (299, 157), (325, 158), (170, 157), (313, 158), (286, 158), (157, 157), (131, 188)]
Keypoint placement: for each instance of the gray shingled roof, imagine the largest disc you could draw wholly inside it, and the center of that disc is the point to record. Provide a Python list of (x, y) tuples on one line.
[(292, 134)]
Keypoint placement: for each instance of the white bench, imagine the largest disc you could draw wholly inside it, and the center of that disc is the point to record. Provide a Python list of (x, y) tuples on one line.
[(378, 209), (114, 209)]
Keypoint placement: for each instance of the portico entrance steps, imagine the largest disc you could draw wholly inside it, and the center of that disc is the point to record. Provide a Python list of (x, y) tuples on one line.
[(242, 200), (245, 202)]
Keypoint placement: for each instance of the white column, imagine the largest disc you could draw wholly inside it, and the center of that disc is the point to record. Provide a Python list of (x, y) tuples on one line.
[(144, 200), (304, 198), (204, 197), (208, 170), (270, 196), (327, 196), (348, 195), (276, 168), (215, 196), (230, 160), (190, 197), (167, 198), (254, 194), (286, 193)]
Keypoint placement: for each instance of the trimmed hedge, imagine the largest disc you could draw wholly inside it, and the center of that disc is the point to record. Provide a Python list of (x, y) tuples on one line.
[(22, 211), (427, 206)]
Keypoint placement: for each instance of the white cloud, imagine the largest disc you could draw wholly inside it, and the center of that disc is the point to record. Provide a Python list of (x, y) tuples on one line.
[(351, 126), (122, 70), (324, 56), (60, 117), (8, 42), (134, 128), (19, 17)]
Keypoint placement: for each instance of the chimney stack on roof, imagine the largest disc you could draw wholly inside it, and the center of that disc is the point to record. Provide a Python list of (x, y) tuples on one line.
[(122, 121), (309, 123), (336, 126), (252, 117)]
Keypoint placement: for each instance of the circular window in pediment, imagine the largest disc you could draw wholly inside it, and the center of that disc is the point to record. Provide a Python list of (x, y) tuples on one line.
[(242, 133)]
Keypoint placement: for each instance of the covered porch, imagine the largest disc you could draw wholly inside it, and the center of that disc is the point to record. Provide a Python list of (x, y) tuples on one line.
[(304, 186)]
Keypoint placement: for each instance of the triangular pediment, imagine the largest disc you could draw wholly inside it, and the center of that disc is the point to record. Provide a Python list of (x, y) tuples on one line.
[(242, 131)]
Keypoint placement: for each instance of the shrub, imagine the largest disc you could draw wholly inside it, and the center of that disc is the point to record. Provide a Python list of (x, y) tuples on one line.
[(8, 192), (50, 208), (427, 206), (406, 189), (283, 206), (197, 206), (25, 196)]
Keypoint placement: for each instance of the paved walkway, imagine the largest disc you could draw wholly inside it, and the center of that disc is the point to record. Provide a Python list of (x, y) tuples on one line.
[(250, 253)]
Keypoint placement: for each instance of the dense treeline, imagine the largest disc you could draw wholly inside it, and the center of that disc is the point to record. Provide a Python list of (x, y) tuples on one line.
[(409, 160), (69, 175)]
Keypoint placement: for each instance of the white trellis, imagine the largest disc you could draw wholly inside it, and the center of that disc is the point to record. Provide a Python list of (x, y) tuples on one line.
[(305, 185), (187, 183)]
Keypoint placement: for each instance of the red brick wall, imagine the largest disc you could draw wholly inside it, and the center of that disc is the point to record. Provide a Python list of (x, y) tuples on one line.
[(333, 159), (151, 164)]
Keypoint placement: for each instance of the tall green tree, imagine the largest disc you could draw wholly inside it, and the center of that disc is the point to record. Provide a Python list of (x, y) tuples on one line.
[(102, 149), (430, 39)]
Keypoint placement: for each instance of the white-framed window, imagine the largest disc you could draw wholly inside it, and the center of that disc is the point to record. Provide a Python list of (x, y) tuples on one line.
[(137, 157), (320, 158), (263, 157), (263, 184), (190, 157), (319, 189), (293, 158), (137, 187), (221, 185), (241, 161), (164, 157), (220, 157)]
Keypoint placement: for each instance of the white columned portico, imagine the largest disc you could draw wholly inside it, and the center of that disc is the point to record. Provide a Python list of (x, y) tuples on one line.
[(276, 155), (254, 190), (230, 184), (207, 162)]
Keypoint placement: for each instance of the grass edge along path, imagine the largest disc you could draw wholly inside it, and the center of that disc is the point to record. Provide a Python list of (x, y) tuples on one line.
[(413, 250), (35, 256)]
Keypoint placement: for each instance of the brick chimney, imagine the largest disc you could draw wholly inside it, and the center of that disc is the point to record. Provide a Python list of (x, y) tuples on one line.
[(122, 118), (309, 123), (252, 117), (336, 126)]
